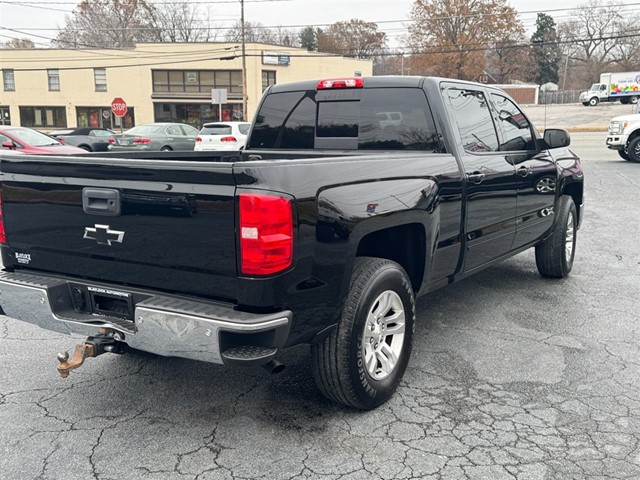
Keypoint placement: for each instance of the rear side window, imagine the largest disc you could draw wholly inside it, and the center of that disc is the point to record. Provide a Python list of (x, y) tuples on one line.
[(216, 130), (472, 114), (174, 130), (244, 128), (375, 119)]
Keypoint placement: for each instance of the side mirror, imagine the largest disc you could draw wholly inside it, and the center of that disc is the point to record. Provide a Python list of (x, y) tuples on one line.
[(8, 145), (557, 138)]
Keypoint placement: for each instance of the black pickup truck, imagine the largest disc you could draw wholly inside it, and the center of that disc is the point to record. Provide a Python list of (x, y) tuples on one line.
[(352, 197)]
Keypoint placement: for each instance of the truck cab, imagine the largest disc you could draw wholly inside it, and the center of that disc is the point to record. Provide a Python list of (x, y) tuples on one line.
[(596, 94)]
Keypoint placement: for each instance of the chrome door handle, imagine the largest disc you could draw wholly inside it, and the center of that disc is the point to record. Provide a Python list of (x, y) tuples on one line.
[(524, 171), (475, 177)]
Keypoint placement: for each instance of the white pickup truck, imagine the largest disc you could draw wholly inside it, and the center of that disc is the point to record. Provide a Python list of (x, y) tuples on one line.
[(624, 136)]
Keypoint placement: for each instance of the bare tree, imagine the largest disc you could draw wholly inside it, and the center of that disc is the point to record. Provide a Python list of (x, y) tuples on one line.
[(449, 37), (627, 52), (501, 58), (355, 38), (595, 39), (182, 21), (254, 32), (107, 24), (19, 43)]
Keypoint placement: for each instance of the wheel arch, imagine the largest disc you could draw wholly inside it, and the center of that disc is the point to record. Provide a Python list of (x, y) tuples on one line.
[(576, 191), (632, 135), (404, 244)]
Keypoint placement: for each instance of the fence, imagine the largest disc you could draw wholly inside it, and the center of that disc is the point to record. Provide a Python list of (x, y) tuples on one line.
[(561, 96)]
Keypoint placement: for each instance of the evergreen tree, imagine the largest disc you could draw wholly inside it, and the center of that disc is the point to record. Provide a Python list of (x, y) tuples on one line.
[(546, 49), (308, 38)]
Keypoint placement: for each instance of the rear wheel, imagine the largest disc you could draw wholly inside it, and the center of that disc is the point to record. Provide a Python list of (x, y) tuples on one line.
[(361, 363), (624, 100), (86, 148), (166, 149), (633, 150), (554, 255), (633, 100)]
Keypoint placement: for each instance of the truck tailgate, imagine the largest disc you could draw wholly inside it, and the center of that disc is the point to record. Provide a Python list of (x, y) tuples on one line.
[(158, 224)]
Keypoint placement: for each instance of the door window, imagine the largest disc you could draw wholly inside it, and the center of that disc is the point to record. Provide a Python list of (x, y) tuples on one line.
[(174, 130), (471, 112), (516, 129)]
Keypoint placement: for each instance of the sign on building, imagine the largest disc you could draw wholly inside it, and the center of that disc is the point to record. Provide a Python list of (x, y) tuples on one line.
[(275, 58)]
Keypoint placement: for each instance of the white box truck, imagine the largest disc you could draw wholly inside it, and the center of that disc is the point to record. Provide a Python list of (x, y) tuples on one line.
[(623, 86)]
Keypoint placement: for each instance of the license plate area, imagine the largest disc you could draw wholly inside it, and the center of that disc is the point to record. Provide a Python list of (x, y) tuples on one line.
[(111, 302)]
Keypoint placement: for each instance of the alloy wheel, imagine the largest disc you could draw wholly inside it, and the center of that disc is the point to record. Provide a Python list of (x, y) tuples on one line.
[(383, 336)]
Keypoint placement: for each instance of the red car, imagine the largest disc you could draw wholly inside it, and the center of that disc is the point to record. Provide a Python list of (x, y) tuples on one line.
[(27, 140)]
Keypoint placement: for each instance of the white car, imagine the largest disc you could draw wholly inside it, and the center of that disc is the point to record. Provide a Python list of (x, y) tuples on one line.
[(222, 136)]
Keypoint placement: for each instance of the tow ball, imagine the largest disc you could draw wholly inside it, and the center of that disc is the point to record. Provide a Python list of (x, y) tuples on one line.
[(92, 347)]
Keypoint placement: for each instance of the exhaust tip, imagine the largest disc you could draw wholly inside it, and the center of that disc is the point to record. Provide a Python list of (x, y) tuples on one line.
[(274, 367)]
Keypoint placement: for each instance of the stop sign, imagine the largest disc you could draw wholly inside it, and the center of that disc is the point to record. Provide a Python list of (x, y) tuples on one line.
[(119, 107)]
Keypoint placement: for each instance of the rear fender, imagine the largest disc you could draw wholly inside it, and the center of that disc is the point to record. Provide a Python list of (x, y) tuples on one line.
[(352, 215)]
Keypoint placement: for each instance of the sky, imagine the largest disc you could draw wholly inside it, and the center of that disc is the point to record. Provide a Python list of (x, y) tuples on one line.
[(44, 17)]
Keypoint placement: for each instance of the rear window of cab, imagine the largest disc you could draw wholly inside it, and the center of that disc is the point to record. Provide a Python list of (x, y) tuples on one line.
[(364, 119)]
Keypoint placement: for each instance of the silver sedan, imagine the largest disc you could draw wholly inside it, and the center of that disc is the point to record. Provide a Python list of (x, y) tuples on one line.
[(163, 137)]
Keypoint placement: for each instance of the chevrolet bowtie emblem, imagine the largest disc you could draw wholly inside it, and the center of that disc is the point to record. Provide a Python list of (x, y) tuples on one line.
[(103, 235)]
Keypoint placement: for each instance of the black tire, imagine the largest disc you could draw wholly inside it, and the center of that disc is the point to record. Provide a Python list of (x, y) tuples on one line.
[(166, 149), (633, 150), (623, 154), (633, 100), (586, 104), (339, 360), (624, 101), (553, 257), (594, 101), (86, 148)]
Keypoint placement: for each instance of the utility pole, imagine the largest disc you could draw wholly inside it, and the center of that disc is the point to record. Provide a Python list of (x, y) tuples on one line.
[(244, 64)]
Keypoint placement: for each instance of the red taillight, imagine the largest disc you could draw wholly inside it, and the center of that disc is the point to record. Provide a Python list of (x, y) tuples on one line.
[(61, 140), (111, 140), (266, 234), (198, 139), (228, 139), (141, 140), (356, 82), (3, 237)]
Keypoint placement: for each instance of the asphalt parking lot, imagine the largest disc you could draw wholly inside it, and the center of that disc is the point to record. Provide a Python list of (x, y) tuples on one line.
[(512, 376)]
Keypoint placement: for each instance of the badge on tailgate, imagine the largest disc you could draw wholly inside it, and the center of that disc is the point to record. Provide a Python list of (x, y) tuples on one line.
[(103, 234)]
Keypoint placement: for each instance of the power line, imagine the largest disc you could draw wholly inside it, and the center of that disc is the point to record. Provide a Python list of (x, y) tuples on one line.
[(442, 51)]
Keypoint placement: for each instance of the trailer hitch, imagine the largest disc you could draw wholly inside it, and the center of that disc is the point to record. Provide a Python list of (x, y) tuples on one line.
[(92, 347)]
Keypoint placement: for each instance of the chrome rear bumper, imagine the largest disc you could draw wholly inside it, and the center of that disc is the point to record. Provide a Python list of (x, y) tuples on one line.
[(164, 325)]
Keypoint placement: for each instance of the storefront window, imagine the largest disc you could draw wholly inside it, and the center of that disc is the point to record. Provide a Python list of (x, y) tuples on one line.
[(196, 114), (5, 116), (103, 117), (43, 117)]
